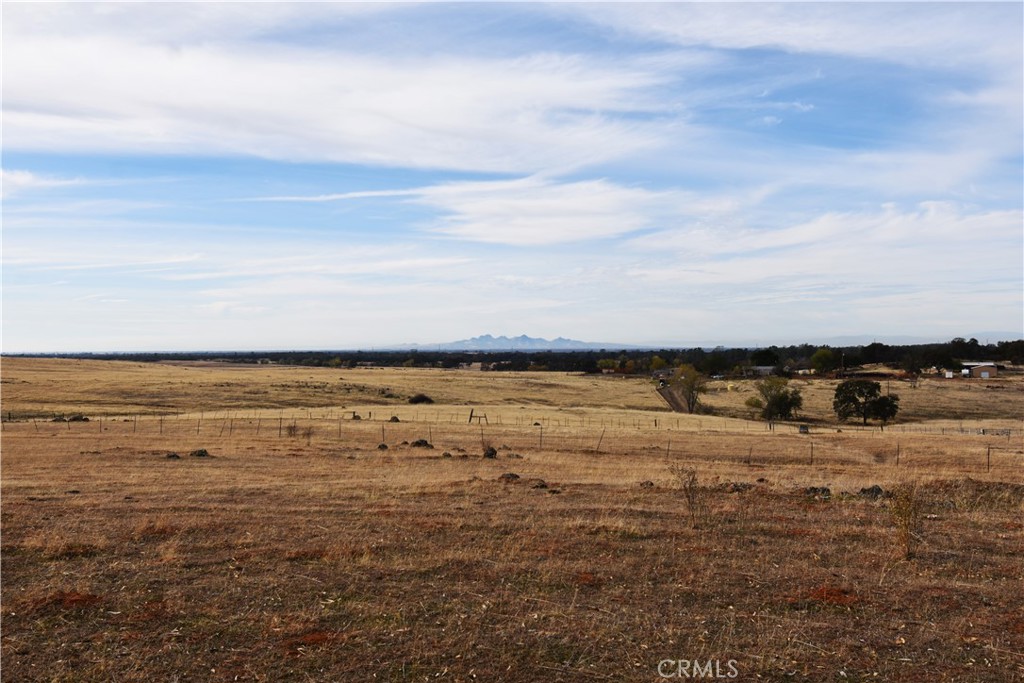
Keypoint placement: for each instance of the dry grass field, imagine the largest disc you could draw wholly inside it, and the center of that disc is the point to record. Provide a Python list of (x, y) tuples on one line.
[(632, 540)]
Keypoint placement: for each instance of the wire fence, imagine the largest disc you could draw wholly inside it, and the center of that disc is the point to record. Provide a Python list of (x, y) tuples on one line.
[(469, 433)]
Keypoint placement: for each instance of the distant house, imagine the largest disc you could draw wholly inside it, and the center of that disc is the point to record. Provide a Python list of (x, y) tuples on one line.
[(982, 370)]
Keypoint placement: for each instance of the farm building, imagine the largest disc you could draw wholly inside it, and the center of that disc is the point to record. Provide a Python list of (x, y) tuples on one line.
[(982, 370)]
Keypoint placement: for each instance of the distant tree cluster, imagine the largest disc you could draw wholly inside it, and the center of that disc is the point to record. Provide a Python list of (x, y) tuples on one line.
[(710, 362)]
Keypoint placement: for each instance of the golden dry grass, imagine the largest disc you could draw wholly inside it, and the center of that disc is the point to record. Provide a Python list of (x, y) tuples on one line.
[(319, 556)]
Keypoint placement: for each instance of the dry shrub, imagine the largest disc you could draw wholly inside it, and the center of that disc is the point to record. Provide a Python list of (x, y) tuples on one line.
[(57, 546), (905, 508), (160, 527), (695, 496), (970, 495)]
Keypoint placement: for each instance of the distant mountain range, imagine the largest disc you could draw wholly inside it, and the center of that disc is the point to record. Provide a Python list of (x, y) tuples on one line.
[(521, 343), (525, 343)]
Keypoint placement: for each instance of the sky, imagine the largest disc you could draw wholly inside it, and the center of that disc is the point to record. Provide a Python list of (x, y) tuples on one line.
[(247, 176)]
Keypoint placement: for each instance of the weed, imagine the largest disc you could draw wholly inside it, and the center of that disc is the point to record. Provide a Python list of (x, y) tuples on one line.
[(905, 509), (696, 497)]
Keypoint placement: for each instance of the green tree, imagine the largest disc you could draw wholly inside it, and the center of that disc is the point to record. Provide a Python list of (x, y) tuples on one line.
[(608, 363), (689, 384), (764, 357), (885, 408), (657, 363), (863, 398), (778, 401), (824, 360)]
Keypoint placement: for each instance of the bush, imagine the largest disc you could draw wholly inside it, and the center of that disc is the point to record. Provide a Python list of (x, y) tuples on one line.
[(421, 398)]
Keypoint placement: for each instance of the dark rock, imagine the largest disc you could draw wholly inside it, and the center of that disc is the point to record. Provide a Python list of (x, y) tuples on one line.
[(173, 456), (818, 491), (421, 443), (647, 484), (72, 491), (509, 477), (446, 454), (762, 480), (382, 447), (490, 452), (538, 484), (394, 418), (200, 453), (873, 492)]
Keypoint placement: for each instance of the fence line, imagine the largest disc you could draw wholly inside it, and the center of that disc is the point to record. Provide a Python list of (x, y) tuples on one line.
[(329, 430)]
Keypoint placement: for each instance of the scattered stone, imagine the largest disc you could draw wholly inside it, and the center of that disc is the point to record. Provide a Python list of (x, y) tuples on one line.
[(173, 456), (647, 484), (873, 492), (394, 418), (490, 452), (509, 477), (446, 454), (382, 447), (200, 453), (421, 443)]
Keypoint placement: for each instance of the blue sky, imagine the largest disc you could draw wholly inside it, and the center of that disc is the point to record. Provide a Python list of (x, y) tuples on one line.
[(314, 175)]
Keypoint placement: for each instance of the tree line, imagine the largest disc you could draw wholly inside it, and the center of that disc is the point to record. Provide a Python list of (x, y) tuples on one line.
[(718, 361)]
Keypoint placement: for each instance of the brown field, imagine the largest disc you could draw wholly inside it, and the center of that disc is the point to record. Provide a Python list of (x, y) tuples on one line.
[(301, 551)]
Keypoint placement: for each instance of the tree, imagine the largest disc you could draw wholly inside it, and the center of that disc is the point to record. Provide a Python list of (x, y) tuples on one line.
[(885, 408), (658, 363), (863, 398), (824, 360), (764, 357), (689, 384), (778, 401)]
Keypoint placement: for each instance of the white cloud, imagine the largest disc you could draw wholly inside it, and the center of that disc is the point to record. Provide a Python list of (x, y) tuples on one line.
[(937, 34), (116, 95), (13, 182), (936, 246)]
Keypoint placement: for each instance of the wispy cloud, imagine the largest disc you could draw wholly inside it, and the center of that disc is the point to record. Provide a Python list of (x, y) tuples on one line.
[(355, 173), (14, 182)]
